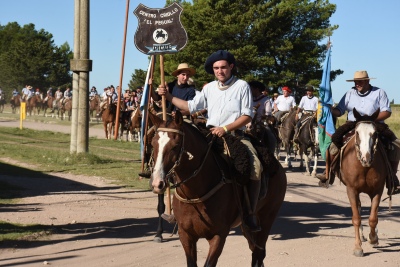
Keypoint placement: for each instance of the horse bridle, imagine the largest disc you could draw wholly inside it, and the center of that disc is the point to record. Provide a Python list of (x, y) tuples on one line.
[(172, 170), (375, 141)]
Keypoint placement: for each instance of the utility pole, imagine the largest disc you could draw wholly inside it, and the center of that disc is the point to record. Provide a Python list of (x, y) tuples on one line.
[(81, 65)]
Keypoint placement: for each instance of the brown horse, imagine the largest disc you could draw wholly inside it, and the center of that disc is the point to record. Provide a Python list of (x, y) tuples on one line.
[(15, 103), (33, 104), (47, 104), (286, 133), (206, 203), (308, 139), (66, 108), (364, 169), (2, 102), (108, 117), (94, 105)]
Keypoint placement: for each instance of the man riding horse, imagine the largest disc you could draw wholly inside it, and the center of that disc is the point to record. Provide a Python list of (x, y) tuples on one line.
[(307, 107), (366, 99), (229, 103)]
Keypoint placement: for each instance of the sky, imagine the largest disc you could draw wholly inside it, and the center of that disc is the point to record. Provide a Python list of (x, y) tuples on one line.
[(367, 38)]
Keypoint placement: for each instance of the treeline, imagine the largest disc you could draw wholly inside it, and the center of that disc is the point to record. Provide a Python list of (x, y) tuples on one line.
[(29, 56), (276, 42)]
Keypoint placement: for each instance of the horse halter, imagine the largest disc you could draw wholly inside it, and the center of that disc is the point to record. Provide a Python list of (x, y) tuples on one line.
[(172, 170), (357, 145), (176, 164)]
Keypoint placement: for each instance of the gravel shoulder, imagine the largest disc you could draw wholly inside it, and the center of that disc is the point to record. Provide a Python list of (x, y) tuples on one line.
[(97, 223)]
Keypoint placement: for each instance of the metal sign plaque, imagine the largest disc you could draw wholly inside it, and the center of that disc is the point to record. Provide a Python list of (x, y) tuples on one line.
[(159, 29)]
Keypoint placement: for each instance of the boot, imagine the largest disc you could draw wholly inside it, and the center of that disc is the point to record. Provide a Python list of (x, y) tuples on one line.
[(396, 189), (251, 220), (169, 217), (322, 176)]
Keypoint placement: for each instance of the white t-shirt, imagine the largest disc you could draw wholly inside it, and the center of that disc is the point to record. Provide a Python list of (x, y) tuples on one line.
[(224, 106), (285, 103), (309, 104)]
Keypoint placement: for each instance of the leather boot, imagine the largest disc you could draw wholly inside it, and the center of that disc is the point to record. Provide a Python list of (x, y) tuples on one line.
[(395, 190), (251, 219), (321, 176), (169, 217)]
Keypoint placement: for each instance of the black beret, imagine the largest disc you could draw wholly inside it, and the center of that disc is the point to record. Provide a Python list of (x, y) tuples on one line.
[(217, 56)]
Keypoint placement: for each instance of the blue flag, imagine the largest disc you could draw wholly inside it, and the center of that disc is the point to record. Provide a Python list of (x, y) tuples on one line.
[(144, 104), (326, 127)]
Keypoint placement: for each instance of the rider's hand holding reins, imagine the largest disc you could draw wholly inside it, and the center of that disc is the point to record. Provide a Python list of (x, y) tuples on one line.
[(219, 131)]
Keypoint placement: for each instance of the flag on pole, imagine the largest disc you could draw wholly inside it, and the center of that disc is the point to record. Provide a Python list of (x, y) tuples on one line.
[(326, 127), (144, 104)]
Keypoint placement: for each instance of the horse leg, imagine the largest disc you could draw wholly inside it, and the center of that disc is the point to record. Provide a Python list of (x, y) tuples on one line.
[(301, 153), (355, 204), (189, 245), (288, 161), (105, 129), (373, 220), (160, 209), (315, 155), (216, 245)]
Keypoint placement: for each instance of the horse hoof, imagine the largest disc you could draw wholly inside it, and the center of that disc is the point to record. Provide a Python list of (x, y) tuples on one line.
[(373, 241), (158, 239), (358, 253)]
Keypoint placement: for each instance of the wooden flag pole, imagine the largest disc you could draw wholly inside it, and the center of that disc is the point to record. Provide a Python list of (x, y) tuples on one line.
[(164, 114), (146, 108), (121, 74)]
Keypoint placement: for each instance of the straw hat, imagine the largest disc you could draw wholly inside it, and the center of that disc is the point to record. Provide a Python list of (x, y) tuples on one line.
[(182, 67), (276, 94), (360, 75), (29, 87)]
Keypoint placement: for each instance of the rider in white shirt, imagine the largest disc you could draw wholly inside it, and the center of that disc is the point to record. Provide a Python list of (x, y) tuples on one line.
[(283, 103), (308, 106)]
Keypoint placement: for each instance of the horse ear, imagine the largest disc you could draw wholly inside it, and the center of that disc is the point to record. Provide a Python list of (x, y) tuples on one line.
[(155, 119), (375, 115), (356, 114), (178, 117)]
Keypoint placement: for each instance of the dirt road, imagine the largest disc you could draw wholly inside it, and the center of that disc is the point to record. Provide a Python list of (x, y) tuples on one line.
[(99, 224)]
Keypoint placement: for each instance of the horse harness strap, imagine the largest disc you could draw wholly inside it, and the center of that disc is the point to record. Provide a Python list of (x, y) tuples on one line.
[(206, 196)]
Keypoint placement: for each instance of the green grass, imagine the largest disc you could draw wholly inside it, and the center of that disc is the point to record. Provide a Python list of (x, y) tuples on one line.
[(49, 152), (12, 232)]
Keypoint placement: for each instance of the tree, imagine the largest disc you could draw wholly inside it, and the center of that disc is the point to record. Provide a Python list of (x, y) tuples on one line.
[(28, 56), (138, 79), (278, 42)]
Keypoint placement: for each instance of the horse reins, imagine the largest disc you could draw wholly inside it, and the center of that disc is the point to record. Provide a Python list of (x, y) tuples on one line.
[(172, 170)]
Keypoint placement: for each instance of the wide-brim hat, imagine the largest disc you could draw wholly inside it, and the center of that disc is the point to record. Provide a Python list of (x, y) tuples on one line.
[(182, 67), (29, 87), (360, 75), (285, 88), (217, 56), (276, 94)]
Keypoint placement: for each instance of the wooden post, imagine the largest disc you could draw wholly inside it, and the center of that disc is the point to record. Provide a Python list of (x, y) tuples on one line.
[(116, 131), (164, 113), (146, 108)]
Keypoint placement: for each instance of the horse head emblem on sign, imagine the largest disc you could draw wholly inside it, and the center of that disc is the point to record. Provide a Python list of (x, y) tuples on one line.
[(164, 24)]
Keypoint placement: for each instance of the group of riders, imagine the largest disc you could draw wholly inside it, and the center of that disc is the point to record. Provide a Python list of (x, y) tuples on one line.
[(216, 99), (59, 98)]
